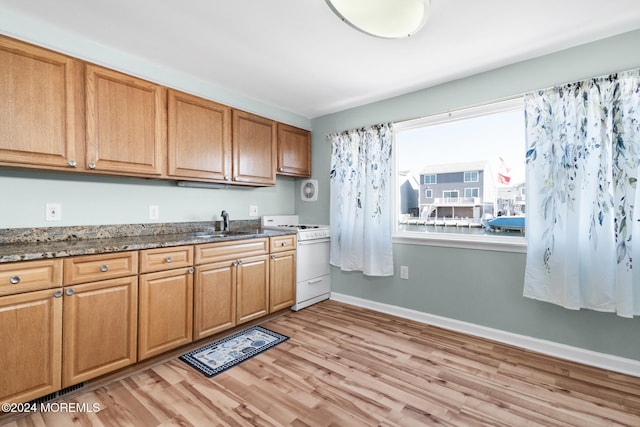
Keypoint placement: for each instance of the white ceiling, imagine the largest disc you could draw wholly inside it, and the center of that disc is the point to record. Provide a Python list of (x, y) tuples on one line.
[(297, 56)]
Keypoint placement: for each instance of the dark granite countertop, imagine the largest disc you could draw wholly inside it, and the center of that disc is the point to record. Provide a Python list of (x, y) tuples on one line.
[(32, 244)]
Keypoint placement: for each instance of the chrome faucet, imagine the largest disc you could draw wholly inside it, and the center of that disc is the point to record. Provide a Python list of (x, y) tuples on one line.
[(225, 221)]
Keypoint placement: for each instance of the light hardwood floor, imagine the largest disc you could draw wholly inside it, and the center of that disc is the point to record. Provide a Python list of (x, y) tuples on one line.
[(348, 366)]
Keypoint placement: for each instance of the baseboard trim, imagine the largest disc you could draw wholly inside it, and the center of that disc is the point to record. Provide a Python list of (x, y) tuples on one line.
[(561, 351)]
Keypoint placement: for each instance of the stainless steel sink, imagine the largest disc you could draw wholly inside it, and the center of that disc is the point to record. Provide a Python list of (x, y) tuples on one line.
[(210, 235)]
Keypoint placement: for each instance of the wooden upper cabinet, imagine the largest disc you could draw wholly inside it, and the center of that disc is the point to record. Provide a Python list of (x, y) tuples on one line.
[(199, 140), (254, 149), (41, 121), (126, 123), (294, 151)]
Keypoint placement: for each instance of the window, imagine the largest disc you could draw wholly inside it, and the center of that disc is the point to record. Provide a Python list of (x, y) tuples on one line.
[(471, 176), (450, 195), (471, 192), (430, 179), (482, 145)]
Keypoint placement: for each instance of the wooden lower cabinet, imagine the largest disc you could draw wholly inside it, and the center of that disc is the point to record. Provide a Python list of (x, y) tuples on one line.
[(282, 280), (100, 328), (252, 288), (31, 337), (166, 311), (214, 296)]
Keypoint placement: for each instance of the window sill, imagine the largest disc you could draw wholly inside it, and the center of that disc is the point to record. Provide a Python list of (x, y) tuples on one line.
[(489, 243)]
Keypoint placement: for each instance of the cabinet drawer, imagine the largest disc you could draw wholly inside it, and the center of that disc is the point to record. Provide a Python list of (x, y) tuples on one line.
[(90, 268), (27, 276), (212, 252), (283, 243), (165, 258)]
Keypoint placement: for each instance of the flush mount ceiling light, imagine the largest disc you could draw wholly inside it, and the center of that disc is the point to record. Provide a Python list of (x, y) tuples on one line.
[(389, 19)]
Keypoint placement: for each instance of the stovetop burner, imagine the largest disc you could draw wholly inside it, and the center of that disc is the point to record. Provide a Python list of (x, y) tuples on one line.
[(305, 231)]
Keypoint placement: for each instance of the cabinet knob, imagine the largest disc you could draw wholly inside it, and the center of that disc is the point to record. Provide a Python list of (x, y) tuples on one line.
[(191, 270), (283, 244), (104, 268), (72, 163), (57, 294), (273, 257), (239, 262), (69, 292), (168, 259), (226, 177), (92, 165), (280, 169), (14, 280)]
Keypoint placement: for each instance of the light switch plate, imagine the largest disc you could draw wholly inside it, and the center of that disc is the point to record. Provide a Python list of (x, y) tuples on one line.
[(253, 210)]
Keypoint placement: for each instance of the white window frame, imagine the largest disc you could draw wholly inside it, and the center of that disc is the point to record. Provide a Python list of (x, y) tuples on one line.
[(477, 176), (476, 189), (450, 191), (452, 240), (435, 179), (428, 193)]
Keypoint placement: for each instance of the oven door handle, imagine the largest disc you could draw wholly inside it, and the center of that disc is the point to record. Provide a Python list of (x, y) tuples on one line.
[(313, 241)]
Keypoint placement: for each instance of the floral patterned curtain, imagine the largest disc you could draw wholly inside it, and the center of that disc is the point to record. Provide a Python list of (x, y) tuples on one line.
[(582, 170), (360, 217)]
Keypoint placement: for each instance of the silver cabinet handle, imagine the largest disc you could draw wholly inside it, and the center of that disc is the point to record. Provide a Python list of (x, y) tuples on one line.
[(313, 282), (104, 268), (239, 262), (14, 280), (226, 177), (92, 165), (234, 263), (283, 244), (168, 259), (69, 292), (280, 169), (57, 294), (72, 163), (191, 270), (273, 257)]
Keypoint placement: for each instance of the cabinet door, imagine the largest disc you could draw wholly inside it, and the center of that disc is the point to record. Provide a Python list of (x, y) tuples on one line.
[(254, 149), (282, 281), (125, 123), (100, 328), (214, 299), (166, 311), (294, 151), (41, 106), (31, 337), (199, 138), (252, 288)]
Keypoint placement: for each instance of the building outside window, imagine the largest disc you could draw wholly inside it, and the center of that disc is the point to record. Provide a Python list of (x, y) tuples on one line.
[(471, 176), (444, 153), (429, 179)]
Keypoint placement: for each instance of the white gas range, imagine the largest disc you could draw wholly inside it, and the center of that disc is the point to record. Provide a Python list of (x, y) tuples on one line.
[(313, 278)]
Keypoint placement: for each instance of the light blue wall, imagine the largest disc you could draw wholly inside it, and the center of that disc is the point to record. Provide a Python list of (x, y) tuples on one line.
[(91, 200), (115, 200), (477, 286)]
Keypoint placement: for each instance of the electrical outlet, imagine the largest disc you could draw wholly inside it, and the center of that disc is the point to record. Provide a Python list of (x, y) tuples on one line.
[(53, 212), (253, 210), (404, 272), (154, 212)]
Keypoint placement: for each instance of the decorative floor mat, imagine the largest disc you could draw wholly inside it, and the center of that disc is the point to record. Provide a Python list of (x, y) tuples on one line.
[(221, 355)]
